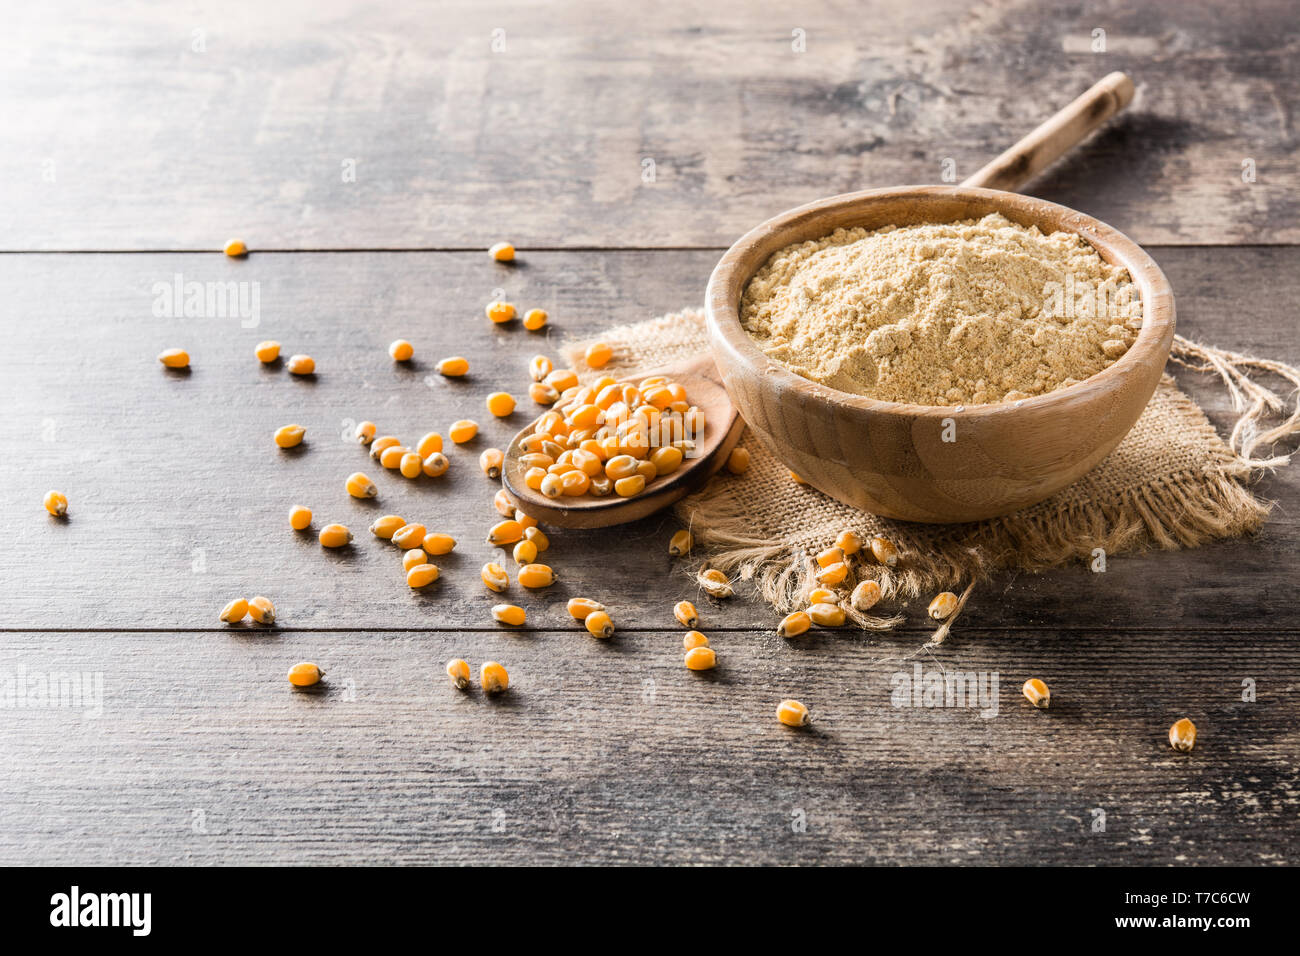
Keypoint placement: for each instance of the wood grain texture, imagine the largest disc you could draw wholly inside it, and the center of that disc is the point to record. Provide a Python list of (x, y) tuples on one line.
[(163, 126)]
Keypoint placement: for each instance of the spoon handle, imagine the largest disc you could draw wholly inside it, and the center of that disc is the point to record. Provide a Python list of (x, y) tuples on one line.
[(1056, 137)]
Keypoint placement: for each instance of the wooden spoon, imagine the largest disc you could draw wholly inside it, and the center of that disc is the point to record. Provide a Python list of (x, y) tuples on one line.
[(722, 428)]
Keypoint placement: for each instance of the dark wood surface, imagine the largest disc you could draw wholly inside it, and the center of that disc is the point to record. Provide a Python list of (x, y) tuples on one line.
[(601, 752)]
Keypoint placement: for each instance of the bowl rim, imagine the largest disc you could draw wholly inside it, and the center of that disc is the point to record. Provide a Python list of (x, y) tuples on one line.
[(1152, 345)]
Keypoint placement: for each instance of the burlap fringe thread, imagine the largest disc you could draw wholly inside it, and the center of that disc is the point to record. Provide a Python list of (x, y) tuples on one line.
[(1183, 510)]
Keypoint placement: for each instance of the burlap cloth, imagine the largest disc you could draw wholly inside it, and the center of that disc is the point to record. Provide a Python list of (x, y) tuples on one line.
[(1173, 482)]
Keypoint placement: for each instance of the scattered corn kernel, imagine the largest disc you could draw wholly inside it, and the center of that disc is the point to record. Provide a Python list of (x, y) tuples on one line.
[(826, 614), (267, 351), (505, 532), (500, 404), (884, 551), (865, 596), (822, 596), (235, 248), (738, 461), (421, 575), (500, 312), (436, 543), (943, 606), (365, 433), (794, 624), (494, 576), (581, 608), (387, 526), (261, 610), (849, 542), (381, 444), (493, 677), (175, 358), (562, 379), (502, 252), (462, 431), (535, 319), (830, 556), (540, 367), (56, 503), (401, 350), (525, 521), (436, 464), (1182, 735), (797, 480), (502, 502), (413, 557), (694, 639), (305, 674), (289, 436), (599, 624), (335, 536), (234, 612), (536, 576), (410, 466), (1037, 693), (508, 614), (597, 355), (537, 536), (359, 486), (458, 672), (301, 365), (427, 445), (491, 461), (792, 713), (391, 457), (299, 517), (833, 574), (543, 394), (701, 659), (715, 583), (525, 552), (453, 366), (685, 612), (681, 543), (409, 536)]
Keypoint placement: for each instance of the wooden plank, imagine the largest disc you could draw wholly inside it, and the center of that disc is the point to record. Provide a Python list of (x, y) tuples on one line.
[(179, 498), (307, 124), (614, 753)]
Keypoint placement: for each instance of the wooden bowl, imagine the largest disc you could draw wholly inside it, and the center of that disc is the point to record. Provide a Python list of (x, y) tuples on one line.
[(890, 458)]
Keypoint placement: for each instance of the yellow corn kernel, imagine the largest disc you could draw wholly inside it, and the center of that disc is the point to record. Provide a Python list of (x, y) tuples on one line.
[(335, 536), (620, 466), (502, 252), (491, 461), (411, 465), (235, 248), (826, 614), (580, 608), (685, 612), (538, 537), (694, 421), (599, 624), (833, 574), (534, 477), (525, 521), (822, 596), (409, 536), (792, 713), (539, 367), (436, 464), (510, 614), (305, 674), (493, 677), (502, 502), (462, 431), (56, 503), (666, 460), (299, 517), (796, 479), (365, 433), (849, 542), (884, 551), (381, 444), (267, 351), (301, 365), (427, 445), (453, 366), (601, 486), (421, 575), (1182, 735), (387, 526), (701, 659), (458, 672), (359, 486), (551, 487), (587, 462), (597, 355), (535, 319), (413, 557), (500, 404), (436, 543), (632, 485), (715, 583), (1037, 693), (794, 624), (562, 379), (681, 543), (536, 576), (575, 483), (943, 606), (175, 358), (738, 461), (694, 639), (391, 457), (536, 459), (505, 532), (525, 552), (261, 610), (500, 312), (830, 556), (401, 350), (543, 394), (552, 423), (494, 576), (865, 596), (234, 612)]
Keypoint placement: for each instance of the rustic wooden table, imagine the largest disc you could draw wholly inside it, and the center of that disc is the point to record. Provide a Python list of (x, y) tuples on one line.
[(369, 155)]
